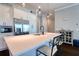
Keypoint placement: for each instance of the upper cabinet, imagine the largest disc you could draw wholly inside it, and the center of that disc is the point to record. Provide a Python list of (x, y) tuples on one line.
[(5, 18), (33, 22), (7, 14)]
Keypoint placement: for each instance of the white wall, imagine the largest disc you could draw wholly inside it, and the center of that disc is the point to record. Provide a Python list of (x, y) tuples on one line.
[(44, 23), (68, 19), (32, 18)]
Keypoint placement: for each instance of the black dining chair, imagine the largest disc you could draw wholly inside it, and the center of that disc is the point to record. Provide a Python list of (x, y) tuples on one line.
[(49, 51)]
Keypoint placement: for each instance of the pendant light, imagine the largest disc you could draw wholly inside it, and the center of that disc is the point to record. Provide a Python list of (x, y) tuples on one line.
[(23, 4)]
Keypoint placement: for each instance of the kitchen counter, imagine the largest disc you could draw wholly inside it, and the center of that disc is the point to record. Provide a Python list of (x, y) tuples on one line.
[(17, 45)]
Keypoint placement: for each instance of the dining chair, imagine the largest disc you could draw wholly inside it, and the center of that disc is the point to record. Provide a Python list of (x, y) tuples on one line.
[(60, 40), (59, 47), (49, 51)]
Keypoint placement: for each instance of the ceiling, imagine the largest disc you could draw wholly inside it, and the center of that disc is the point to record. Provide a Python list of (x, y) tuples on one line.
[(45, 7)]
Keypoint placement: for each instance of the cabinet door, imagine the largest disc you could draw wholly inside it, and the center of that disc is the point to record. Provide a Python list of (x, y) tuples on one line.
[(1, 21), (3, 45), (5, 17), (8, 22)]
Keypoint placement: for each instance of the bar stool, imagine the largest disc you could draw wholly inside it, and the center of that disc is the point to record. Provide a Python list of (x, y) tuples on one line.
[(49, 51)]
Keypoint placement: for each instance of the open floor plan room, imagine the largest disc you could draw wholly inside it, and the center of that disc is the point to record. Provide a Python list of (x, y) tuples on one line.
[(39, 29)]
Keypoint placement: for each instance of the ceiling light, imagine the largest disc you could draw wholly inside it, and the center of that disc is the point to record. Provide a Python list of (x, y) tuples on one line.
[(39, 7), (38, 10), (23, 4), (50, 14)]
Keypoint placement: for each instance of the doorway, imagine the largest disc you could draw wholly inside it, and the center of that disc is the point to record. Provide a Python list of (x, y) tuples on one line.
[(51, 24)]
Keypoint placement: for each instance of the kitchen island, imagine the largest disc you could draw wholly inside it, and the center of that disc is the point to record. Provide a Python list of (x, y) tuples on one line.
[(26, 45)]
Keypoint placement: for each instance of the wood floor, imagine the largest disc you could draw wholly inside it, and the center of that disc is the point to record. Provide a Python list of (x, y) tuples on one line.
[(67, 50), (4, 53)]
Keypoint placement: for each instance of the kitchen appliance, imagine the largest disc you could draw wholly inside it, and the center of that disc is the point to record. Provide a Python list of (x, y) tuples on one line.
[(5, 29)]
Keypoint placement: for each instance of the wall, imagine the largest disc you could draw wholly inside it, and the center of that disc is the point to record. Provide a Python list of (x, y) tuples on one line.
[(32, 19), (68, 19), (51, 23)]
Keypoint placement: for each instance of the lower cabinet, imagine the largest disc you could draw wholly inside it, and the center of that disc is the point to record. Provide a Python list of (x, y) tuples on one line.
[(3, 45)]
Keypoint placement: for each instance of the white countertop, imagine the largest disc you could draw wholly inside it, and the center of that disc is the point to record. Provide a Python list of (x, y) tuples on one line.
[(20, 43)]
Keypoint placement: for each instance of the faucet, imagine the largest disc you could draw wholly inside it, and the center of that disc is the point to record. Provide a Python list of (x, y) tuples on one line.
[(42, 29)]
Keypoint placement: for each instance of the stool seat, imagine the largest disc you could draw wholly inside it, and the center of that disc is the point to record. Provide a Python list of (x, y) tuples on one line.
[(46, 50)]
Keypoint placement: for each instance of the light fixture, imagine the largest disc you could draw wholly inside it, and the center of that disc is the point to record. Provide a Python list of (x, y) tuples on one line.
[(38, 11), (23, 4), (39, 7), (48, 15)]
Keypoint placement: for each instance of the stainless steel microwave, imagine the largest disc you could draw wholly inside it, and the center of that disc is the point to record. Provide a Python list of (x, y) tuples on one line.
[(5, 29)]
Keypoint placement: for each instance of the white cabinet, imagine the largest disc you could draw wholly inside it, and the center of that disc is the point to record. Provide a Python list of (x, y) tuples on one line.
[(3, 45), (5, 17), (32, 19), (20, 14), (6, 22)]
